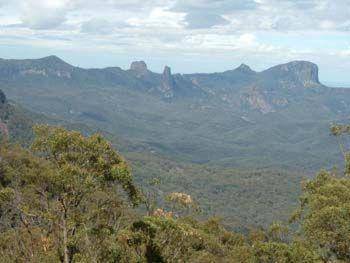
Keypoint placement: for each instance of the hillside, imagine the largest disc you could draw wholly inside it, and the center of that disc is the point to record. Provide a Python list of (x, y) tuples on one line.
[(72, 198), (239, 118), (242, 198)]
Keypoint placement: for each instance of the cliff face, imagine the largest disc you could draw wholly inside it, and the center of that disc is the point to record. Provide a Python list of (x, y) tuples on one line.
[(303, 71), (191, 115), (139, 67), (47, 67), (296, 74), (167, 83)]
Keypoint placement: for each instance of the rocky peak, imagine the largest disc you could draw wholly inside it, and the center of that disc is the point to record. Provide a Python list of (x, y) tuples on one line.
[(167, 82), (2, 97), (51, 66), (302, 71), (167, 72), (53, 62), (245, 68), (140, 67), (53, 59)]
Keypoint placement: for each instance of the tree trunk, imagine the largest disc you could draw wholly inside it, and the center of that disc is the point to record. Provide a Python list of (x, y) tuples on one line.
[(65, 233), (65, 240)]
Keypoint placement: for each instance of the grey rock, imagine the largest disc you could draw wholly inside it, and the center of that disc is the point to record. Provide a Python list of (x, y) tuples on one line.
[(140, 67)]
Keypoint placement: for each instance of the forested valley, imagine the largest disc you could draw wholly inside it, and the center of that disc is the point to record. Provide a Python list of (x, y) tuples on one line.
[(72, 198)]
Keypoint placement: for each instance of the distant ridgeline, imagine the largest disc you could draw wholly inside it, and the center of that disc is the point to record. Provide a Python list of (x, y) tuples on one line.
[(165, 124), (238, 118)]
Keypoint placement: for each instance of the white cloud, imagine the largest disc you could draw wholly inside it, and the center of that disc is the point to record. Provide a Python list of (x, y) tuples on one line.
[(208, 13), (344, 53), (270, 30), (158, 18), (43, 14), (98, 26)]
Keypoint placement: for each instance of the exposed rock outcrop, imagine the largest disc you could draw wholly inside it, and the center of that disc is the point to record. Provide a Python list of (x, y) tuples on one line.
[(167, 83), (257, 101), (302, 72), (139, 67)]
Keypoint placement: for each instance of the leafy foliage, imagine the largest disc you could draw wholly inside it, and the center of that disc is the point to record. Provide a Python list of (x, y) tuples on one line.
[(325, 214), (70, 198), (221, 191), (65, 197)]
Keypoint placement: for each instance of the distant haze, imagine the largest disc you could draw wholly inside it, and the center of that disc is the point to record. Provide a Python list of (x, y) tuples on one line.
[(337, 84), (229, 118), (191, 36)]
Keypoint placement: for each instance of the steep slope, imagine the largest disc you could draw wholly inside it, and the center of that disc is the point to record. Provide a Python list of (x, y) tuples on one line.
[(229, 193), (246, 90), (239, 118)]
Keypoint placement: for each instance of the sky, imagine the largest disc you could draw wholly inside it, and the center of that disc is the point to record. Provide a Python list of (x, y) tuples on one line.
[(188, 35)]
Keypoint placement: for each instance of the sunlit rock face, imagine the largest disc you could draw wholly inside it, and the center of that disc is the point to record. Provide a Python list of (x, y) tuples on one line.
[(140, 67)]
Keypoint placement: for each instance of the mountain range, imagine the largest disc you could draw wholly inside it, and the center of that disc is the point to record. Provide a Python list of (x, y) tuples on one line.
[(225, 192), (239, 141), (279, 117)]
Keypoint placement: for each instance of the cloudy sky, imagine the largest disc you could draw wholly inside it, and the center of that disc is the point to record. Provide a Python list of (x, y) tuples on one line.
[(188, 35)]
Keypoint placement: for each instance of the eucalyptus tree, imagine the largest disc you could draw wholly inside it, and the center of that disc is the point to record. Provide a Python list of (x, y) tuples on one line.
[(67, 194)]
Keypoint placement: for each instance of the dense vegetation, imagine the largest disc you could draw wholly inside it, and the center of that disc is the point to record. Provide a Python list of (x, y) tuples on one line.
[(14, 121), (240, 118), (70, 198), (239, 141), (242, 198), (221, 191)]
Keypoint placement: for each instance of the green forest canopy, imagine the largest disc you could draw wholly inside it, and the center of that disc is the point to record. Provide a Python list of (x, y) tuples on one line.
[(71, 198)]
